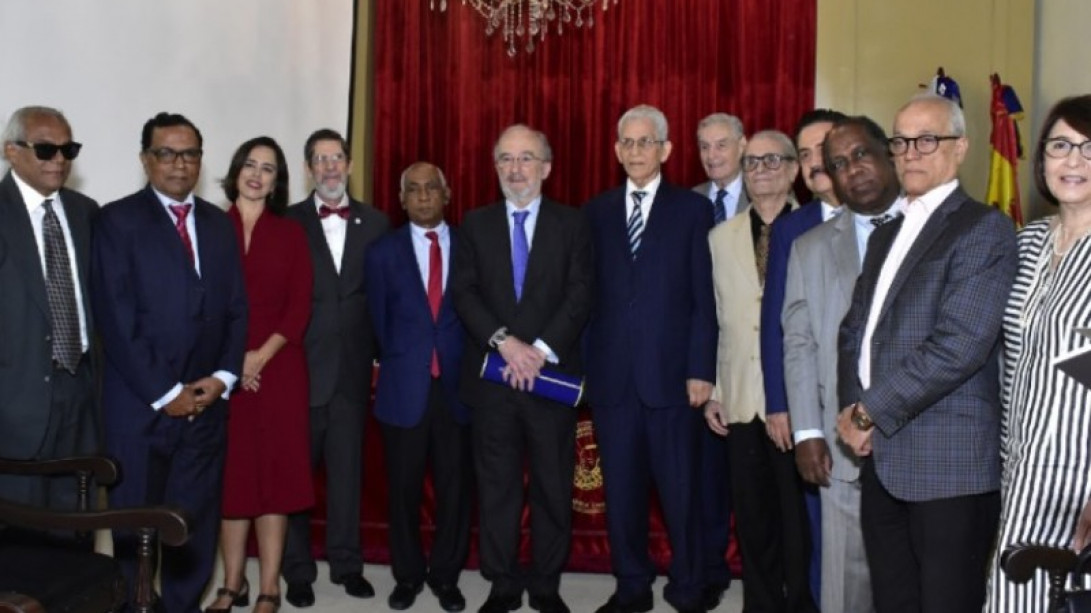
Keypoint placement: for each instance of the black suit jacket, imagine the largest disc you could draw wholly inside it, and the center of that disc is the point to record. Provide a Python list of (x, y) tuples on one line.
[(340, 344), (556, 297), (26, 353)]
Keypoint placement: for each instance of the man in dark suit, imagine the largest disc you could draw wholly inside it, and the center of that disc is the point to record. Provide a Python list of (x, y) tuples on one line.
[(171, 305), (917, 374), (47, 400), (340, 350), (522, 286), (416, 400), (651, 356)]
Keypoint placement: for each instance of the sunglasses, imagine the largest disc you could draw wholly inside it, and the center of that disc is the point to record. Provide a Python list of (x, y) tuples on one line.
[(48, 151)]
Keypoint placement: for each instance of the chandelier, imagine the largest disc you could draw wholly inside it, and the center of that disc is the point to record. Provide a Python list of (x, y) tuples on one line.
[(530, 19)]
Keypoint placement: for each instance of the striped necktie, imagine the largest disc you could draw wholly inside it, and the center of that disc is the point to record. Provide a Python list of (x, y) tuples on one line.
[(636, 223)]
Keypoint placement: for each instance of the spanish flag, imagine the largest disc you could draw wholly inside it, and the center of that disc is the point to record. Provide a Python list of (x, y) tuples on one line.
[(1003, 186)]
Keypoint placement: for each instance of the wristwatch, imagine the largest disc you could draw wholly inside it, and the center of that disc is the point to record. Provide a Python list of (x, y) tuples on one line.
[(860, 419), (498, 337)]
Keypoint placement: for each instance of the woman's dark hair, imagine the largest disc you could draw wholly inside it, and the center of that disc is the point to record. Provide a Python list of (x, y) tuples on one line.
[(1076, 112), (277, 200)]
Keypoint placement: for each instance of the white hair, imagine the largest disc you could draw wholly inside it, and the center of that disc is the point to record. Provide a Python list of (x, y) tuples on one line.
[(645, 111)]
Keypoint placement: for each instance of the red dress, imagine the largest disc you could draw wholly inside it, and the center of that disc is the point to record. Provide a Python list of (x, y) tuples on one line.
[(268, 467)]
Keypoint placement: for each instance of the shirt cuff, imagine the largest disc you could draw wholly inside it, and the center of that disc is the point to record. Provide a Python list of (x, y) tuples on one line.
[(801, 435), (167, 398), (550, 356), (228, 380)]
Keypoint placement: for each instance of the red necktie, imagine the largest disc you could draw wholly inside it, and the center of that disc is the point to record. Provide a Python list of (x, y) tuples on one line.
[(180, 212), (325, 211), (435, 287)]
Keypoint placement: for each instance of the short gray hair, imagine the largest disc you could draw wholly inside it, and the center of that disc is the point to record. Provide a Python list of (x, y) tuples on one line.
[(723, 119), (543, 142), (439, 171), (645, 111), (785, 142), (956, 119), (16, 129)]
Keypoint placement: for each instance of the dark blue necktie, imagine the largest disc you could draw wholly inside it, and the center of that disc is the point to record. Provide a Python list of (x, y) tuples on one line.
[(719, 209), (520, 251)]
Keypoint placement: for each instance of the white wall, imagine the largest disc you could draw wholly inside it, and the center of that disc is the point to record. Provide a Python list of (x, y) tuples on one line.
[(236, 68)]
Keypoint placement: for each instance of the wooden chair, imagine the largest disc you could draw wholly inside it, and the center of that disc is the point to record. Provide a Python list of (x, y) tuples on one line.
[(1022, 560), (47, 575)]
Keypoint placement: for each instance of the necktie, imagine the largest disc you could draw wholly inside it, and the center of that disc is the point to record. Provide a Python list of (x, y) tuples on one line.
[(761, 252), (180, 212), (520, 251), (325, 211), (881, 219), (61, 292), (636, 223), (435, 287), (719, 209)]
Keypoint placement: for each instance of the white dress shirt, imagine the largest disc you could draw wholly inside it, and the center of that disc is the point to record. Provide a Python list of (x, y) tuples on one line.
[(731, 199), (645, 204), (530, 224), (335, 230), (422, 248)]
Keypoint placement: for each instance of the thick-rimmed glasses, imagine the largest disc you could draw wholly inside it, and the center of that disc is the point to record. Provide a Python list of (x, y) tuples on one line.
[(642, 144), (506, 160), (925, 144), (48, 151), (772, 161), (1058, 148), (166, 155)]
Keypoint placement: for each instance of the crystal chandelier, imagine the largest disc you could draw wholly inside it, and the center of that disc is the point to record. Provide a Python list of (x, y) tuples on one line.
[(530, 19)]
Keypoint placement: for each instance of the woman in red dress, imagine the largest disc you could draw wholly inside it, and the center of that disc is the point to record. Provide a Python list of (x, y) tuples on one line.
[(267, 474)]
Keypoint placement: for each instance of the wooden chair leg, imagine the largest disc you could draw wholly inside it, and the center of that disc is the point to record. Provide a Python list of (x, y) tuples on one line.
[(145, 571)]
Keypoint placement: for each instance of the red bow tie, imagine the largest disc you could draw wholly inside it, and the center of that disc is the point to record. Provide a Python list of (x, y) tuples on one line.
[(325, 211)]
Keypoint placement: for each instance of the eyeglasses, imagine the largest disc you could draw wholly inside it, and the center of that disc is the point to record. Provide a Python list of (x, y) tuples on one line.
[(166, 155), (334, 159), (643, 143), (48, 151), (772, 161), (925, 144), (841, 163), (1058, 148), (506, 160)]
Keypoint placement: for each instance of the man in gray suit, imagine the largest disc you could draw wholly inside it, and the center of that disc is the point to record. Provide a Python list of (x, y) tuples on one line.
[(47, 401), (721, 142), (918, 374), (822, 271)]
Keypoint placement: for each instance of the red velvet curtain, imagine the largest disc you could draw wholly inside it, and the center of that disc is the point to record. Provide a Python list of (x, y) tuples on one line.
[(444, 91)]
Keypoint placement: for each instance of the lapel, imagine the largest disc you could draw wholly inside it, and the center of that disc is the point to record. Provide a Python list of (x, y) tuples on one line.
[(409, 255), (931, 231), (844, 255), (546, 227), (18, 233), (496, 224), (446, 306), (322, 259), (80, 230), (206, 243), (352, 258), (742, 250), (656, 224)]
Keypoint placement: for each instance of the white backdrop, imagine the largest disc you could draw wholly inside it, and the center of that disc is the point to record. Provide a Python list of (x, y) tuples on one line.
[(236, 68)]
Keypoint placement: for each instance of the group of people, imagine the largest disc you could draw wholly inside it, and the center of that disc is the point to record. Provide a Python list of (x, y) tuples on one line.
[(890, 346)]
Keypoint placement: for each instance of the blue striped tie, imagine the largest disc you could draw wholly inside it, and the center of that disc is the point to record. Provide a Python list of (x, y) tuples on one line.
[(636, 223)]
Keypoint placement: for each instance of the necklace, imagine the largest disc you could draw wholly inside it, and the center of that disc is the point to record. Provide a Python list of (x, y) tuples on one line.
[(1057, 235)]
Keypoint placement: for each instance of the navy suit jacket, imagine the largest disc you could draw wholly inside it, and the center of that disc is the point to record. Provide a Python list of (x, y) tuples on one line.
[(162, 324), (935, 390), (785, 231), (653, 324), (407, 334)]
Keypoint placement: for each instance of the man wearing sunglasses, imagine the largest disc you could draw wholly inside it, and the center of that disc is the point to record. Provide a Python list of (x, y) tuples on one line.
[(47, 406)]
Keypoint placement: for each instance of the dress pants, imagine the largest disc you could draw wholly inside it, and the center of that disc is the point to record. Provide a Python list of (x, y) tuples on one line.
[(771, 523), (927, 557), (715, 507), (640, 446), (337, 439), (504, 434), (846, 583), (407, 451)]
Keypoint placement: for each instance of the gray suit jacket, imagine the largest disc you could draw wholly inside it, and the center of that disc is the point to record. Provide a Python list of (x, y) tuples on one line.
[(934, 393), (740, 206), (822, 271)]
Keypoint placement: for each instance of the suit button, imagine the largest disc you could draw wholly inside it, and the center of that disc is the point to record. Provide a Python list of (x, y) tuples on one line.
[(48, 338), (47, 378), (755, 328)]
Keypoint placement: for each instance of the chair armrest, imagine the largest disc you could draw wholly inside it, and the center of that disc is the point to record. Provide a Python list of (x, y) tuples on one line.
[(1021, 560), (103, 469), (170, 523)]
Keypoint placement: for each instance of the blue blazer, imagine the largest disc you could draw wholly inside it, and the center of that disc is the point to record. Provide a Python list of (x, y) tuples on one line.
[(160, 322), (654, 318), (406, 333), (785, 231)]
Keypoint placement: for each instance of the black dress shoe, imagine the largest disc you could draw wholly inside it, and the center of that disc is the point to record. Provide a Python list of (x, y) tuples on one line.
[(549, 604), (643, 604), (501, 604), (299, 595), (450, 597), (713, 595), (404, 595), (355, 585)]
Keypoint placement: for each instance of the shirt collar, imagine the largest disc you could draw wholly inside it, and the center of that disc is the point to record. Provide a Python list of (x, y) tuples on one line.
[(649, 189), (318, 202), (531, 208), (31, 198), (935, 197), (166, 201), (734, 188), (419, 232)]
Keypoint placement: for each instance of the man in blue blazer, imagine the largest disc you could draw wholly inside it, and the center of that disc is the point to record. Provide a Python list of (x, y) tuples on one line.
[(171, 306), (918, 374), (651, 357), (416, 401)]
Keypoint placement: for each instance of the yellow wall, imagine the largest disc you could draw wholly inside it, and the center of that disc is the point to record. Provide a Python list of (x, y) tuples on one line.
[(872, 54)]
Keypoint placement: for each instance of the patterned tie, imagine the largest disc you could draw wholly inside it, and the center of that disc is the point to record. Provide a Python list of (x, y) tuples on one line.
[(719, 209), (879, 220), (520, 252), (325, 211), (636, 223), (761, 252), (435, 287), (180, 212), (61, 291)]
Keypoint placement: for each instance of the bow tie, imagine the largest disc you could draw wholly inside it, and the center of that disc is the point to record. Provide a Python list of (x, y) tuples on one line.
[(325, 211)]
